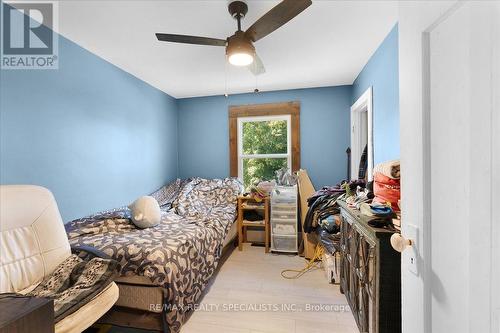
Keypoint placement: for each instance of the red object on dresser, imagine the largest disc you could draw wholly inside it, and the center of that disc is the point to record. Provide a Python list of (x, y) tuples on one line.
[(386, 190)]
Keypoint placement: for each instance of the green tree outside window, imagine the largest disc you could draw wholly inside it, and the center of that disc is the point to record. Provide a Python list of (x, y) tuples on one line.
[(263, 137)]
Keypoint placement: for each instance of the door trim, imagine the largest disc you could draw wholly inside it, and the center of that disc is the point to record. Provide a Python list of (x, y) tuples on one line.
[(363, 104)]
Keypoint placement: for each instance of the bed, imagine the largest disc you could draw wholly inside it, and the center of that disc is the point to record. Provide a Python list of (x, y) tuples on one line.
[(165, 269)]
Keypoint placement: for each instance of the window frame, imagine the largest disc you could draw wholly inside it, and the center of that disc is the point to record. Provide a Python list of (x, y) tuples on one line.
[(263, 110), (241, 156)]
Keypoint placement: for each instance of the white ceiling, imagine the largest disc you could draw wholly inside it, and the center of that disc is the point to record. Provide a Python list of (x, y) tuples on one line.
[(328, 44)]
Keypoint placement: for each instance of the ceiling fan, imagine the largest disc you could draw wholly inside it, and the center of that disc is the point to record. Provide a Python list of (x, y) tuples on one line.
[(239, 47)]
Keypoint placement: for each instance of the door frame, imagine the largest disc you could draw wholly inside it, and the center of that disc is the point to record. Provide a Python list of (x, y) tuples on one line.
[(363, 104)]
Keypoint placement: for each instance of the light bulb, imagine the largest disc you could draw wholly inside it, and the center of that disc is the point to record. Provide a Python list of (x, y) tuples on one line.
[(240, 59)]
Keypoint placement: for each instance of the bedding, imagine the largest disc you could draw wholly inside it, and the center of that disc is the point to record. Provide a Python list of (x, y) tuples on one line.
[(136, 291), (168, 193), (181, 253)]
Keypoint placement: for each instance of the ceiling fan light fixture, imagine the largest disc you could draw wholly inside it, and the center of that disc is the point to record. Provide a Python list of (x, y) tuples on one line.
[(239, 47), (239, 50)]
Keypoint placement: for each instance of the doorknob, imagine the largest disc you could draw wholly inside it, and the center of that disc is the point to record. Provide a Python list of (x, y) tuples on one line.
[(399, 243)]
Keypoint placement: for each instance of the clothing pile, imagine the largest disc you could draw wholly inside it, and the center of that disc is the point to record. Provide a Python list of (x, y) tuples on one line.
[(323, 215), (323, 205), (379, 201), (386, 185)]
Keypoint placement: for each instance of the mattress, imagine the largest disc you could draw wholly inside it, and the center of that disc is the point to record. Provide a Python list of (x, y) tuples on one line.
[(138, 292), (231, 235)]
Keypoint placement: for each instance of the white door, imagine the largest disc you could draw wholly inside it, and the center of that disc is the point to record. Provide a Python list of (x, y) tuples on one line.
[(450, 156)]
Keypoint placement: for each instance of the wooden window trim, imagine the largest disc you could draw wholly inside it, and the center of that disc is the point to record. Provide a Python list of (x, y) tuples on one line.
[(260, 110)]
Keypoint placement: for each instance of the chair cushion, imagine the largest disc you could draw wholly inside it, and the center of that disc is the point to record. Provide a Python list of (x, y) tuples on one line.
[(33, 241)]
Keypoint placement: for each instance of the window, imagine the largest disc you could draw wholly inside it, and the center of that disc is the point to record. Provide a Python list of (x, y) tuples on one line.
[(263, 147), (263, 139)]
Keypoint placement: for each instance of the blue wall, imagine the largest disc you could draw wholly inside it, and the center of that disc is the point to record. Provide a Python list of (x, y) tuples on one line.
[(382, 72), (324, 131), (96, 136)]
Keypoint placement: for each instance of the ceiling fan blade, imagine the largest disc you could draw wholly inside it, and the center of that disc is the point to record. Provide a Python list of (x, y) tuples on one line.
[(276, 17), (190, 39), (257, 67)]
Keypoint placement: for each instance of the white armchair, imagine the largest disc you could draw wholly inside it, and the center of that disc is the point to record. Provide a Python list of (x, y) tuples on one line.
[(33, 243)]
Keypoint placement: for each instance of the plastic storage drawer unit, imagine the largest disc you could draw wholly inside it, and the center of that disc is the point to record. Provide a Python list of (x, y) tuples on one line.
[(287, 229), (284, 243), (284, 219)]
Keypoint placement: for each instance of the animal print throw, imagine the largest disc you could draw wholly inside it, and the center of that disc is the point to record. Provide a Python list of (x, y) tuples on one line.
[(75, 282)]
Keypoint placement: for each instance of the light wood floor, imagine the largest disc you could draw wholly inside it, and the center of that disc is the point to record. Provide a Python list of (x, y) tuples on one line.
[(252, 278)]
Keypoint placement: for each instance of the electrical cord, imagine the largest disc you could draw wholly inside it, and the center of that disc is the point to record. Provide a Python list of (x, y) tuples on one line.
[(313, 263)]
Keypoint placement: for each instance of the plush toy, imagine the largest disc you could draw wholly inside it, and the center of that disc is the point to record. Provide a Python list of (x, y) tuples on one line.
[(145, 212)]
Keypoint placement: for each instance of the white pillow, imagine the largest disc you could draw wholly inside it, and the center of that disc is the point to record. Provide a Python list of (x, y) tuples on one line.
[(145, 212)]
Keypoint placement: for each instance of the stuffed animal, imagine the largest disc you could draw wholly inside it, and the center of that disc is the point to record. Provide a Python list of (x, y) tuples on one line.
[(145, 212)]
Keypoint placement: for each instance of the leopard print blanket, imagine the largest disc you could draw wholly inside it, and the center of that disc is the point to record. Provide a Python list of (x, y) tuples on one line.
[(181, 253), (75, 282)]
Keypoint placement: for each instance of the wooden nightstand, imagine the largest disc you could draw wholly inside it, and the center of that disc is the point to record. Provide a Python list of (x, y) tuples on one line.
[(26, 315), (245, 204)]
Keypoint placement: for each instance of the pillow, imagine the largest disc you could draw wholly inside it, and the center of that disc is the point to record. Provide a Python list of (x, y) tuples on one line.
[(200, 197), (145, 212), (168, 193)]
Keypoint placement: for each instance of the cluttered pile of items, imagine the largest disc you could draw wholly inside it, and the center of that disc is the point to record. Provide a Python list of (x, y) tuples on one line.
[(259, 190), (378, 200)]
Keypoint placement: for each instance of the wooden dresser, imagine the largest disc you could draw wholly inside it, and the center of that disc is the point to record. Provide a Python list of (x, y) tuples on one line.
[(370, 273)]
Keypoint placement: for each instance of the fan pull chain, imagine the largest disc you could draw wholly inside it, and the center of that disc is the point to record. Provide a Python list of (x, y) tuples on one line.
[(256, 79), (225, 78)]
